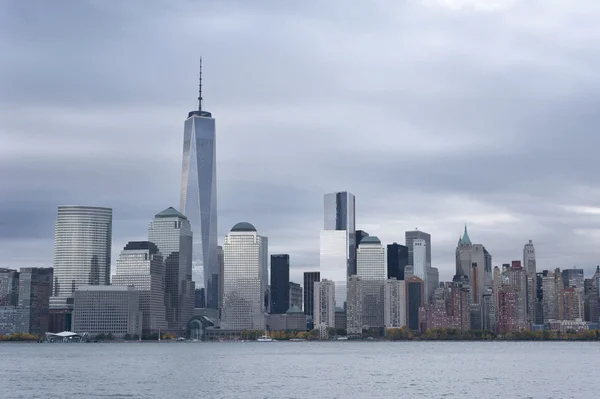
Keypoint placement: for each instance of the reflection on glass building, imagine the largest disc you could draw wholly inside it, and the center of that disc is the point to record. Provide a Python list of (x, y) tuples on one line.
[(244, 279), (170, 231), (339, 215), (199, 197), (141, 265), (82, 250), (410, 236)]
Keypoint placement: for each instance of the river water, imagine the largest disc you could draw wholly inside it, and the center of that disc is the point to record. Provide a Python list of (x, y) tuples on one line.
[(301, 370)]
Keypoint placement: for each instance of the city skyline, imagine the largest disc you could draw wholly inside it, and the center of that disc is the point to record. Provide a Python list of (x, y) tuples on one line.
[(128, 112)]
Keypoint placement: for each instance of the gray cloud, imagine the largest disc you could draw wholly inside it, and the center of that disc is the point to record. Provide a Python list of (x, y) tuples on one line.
[(434, 113)]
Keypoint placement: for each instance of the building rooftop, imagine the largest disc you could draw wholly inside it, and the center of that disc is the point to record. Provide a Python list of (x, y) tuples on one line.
[(466, 240), (294, 310), (243, 226), (370, 240), (141, 245), (169, 213)]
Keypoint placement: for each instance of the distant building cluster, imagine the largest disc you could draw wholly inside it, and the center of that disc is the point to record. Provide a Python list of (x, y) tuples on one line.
[(180, 281)]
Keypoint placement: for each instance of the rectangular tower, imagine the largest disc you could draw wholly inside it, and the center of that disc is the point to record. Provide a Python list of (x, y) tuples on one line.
[(310, 278), (397, 259), (410, 236), (199, 197), (280, 283)]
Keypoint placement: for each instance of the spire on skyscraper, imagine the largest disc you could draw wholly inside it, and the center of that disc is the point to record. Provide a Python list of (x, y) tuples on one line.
[(200, 88)]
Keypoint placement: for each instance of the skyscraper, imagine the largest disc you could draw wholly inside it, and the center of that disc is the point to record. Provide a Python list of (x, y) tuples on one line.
[(244, 278), (530, 269), (9, 287), (82, 250), (419, 258), (280, 283), (35, 288), (170, 231), (397, 259), (338, 242), (199, 196), (473, 257), (410, 236), (371, 259), (415, 292), (394, 314), (141, 265), (324, 304), (310, 278)]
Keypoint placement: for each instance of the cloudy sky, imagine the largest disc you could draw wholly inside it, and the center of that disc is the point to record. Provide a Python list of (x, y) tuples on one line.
[(434, 113)]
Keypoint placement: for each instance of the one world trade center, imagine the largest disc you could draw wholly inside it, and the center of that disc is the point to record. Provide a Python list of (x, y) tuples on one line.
[(199, 196)]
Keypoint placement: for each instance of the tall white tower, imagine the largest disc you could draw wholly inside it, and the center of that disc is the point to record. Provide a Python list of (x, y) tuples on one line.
[(420, 258)]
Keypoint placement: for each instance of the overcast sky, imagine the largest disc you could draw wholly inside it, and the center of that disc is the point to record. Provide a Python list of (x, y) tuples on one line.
[(434, 113)]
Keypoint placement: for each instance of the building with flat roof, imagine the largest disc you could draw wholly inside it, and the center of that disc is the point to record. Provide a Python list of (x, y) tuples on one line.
[(107, 309)]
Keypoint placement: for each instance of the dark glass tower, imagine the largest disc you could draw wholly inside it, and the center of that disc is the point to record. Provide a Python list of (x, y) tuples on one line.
[(280, 283), (310, 278), (360, 234), (397, 259), (414, 298), (340, 215)]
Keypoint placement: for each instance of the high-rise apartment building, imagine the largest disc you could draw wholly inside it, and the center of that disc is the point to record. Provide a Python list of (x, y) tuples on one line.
[(280, 283), (245, 278), (397, 259), (517, 278), (355, 308), (82, 250), (35, 289), (529, 264), (338, 242), (394, 314), (171, 232), (551, 287), (199, 196), (141, 265), (310, 278), (507, 310), (324, 304), (410, 236)]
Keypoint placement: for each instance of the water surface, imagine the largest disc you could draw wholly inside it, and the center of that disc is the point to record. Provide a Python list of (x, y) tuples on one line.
[(301, 370)]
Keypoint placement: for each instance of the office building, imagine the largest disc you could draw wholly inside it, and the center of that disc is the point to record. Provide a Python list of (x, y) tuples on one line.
[(82, 250), (354, 310), (199, 298), (410, 236), (371, 259), (293, 319), (473, 257), (244, 279), (415, 300), (397, 259), (141, 265), (9, 287), (419, 258), (199, 196), (338, 242), (280, 283), (221, 260), (35, 288), (295, 298), (310, 278), (508, 318), (171, 232), (107, 309), (360, 234), (394, 314), (517, 278), (324, 313)]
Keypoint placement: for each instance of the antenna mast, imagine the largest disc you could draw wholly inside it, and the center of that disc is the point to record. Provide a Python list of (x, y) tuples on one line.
[(200, 88)]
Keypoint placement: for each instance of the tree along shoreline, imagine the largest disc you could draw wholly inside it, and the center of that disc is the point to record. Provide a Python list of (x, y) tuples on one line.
[(443, 334)]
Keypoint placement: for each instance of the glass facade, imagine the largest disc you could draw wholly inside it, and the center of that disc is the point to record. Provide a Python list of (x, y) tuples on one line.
[(141, 265), (82, 248), (199, 199), (419, 258), (397, 259), (280, 283), (35, 288), (310, 278), (333, 260), (9, 287), (340, 215), (244, 279), (170, 231), (414, 235)]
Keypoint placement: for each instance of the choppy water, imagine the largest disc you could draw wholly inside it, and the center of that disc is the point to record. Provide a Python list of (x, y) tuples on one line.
[(301, 370)]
